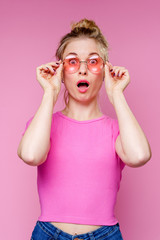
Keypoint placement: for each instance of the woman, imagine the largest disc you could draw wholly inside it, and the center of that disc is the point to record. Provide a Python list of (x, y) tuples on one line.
[(79, 151)]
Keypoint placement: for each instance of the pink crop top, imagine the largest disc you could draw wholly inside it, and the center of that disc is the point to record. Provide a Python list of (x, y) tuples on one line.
[(79, 181)]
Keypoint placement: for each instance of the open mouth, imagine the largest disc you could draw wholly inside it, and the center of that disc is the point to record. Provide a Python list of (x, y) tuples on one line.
[(82, 85)]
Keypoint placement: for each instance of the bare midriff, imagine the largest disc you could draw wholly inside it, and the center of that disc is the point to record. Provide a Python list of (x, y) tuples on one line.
[(72, 228)]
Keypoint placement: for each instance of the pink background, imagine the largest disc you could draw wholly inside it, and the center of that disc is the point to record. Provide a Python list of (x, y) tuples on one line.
[(30, 32)]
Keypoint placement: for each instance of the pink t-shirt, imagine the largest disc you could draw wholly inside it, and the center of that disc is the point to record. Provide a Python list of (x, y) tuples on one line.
[(79, 181)]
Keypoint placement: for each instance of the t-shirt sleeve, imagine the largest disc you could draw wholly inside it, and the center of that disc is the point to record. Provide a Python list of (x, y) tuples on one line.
[(27, 124), (116, 132)]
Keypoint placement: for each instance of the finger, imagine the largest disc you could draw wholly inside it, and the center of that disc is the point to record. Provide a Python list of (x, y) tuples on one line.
[(54, 64), (116, 72), (107, 70), (109, 65), (113, 74), (121, 73), (41, 67), (125, 72), (117, 67), (59, 69), (50, 69), (42, 71), (44, 66), (38, 71)]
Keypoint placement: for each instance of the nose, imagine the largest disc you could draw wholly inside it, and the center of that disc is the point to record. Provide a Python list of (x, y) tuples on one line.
[(83, 68)]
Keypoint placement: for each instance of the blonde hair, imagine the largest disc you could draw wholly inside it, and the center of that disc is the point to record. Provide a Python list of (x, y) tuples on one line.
[(83, 28)]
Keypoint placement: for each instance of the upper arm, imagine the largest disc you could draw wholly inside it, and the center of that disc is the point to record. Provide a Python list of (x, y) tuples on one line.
[(121, 154), (44, 159), (119, 149), (33, 163)]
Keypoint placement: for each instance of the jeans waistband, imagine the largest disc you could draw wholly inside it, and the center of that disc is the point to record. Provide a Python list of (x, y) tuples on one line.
[(92, 235)]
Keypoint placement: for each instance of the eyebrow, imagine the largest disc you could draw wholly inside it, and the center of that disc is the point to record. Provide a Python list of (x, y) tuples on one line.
[(73, 53)]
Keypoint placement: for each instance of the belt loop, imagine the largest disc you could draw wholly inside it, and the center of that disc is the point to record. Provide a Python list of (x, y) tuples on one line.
[(57, 232)]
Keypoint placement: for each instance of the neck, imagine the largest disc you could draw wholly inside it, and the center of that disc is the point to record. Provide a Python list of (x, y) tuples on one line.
[(82, 110)]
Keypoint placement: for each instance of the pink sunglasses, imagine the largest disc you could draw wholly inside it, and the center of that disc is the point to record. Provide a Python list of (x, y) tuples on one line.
[(72, 64)]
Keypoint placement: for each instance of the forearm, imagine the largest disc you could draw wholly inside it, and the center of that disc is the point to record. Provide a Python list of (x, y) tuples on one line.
[(36, 141), (133, 139)]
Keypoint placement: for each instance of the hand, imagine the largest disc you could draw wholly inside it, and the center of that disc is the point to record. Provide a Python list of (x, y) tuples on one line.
[(49, 76), (116, 79)]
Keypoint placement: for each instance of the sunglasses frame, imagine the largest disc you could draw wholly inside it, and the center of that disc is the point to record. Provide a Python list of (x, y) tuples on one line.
[(86, 61)]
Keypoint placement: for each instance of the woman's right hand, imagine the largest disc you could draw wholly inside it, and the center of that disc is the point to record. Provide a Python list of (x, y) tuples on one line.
[(49, 76)]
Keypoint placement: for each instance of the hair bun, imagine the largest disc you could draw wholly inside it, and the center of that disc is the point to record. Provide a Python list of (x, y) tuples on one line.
[(86, 24)]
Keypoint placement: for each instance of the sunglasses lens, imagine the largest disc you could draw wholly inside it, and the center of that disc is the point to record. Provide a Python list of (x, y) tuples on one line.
[(95, 65), (71, 65)]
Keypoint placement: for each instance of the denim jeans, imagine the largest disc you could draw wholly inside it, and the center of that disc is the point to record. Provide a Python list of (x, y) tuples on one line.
[(47, 231)]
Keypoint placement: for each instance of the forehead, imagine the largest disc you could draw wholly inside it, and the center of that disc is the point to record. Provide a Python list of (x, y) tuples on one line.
[(82, 47)]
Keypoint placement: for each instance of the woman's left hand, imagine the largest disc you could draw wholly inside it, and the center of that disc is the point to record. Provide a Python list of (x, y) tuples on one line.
[(116, 79)]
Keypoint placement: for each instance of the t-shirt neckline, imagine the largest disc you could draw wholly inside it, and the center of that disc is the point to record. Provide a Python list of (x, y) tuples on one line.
[(78, 121)]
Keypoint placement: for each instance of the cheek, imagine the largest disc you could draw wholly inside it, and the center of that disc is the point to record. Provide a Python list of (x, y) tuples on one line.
[(66, 76), (69, 79), (99, 80), (99, 77)]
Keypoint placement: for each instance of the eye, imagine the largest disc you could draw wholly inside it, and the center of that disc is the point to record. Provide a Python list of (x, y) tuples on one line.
[(93, 61), (73, 61)]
